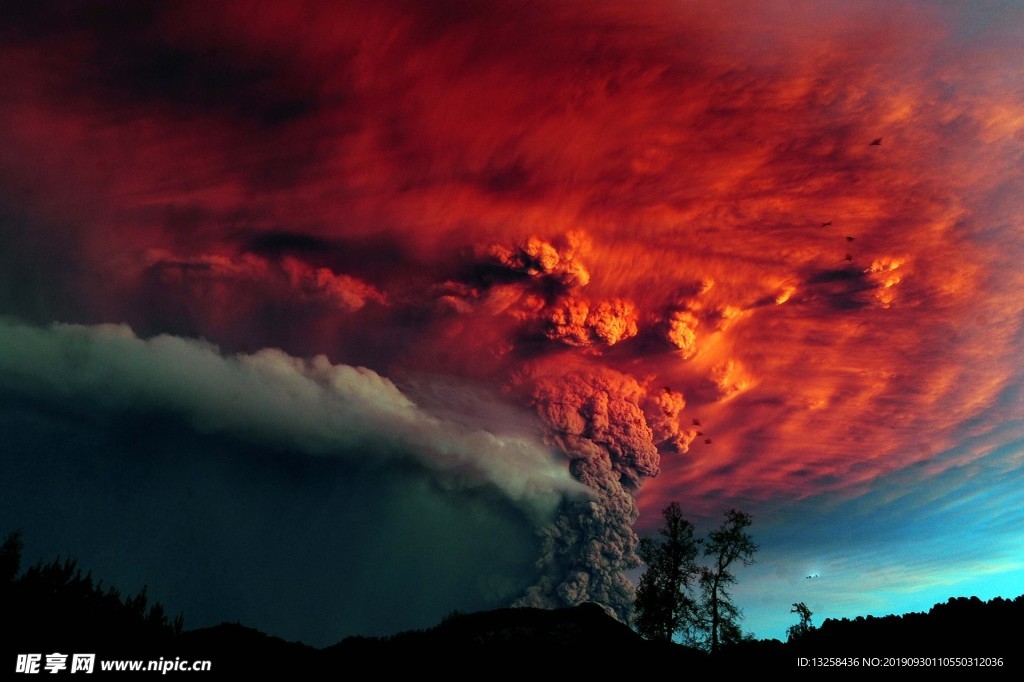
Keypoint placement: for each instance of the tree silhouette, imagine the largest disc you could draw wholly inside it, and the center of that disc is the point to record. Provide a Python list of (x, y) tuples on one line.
[(663, 603), (797, 631), (729, 543), (58, 601), (10, 557)]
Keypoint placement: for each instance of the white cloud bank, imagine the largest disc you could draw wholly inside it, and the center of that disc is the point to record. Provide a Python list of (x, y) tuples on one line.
[(309, 405)]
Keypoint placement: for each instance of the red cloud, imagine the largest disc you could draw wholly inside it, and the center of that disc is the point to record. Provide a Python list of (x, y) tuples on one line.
[(687, 143)]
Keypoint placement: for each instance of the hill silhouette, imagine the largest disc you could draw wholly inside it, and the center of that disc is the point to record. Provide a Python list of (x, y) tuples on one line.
[(55, 607), (961, 626)]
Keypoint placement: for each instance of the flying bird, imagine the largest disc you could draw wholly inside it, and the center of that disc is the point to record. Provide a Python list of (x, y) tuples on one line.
[(696, 422), (877, 142), (828, 224), (707, 441), (849, 239)]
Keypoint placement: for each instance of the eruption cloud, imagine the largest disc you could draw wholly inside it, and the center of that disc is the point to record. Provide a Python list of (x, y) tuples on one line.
[(319, 407), (660, 226), (596, 420)]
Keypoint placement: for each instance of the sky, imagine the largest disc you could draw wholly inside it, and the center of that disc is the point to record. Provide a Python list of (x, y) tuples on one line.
[(332, 318)]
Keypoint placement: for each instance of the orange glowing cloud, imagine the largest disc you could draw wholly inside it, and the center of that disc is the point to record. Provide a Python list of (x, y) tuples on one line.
[(578, 323), (346, 294), (470, 193)]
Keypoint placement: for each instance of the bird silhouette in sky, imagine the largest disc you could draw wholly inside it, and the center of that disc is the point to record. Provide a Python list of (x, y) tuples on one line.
[(696, 422), (849, 239), (828, 224), (877, 142), (707, 441)]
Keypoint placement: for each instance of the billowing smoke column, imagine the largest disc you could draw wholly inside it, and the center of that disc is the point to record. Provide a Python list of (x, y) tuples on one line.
[(608, 425), (596, 419)]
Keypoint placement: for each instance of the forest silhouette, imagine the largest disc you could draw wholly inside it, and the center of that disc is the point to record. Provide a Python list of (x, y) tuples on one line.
[(54, 606)]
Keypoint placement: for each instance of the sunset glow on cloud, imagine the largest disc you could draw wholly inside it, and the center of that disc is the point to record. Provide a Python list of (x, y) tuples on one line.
[(650, 246)]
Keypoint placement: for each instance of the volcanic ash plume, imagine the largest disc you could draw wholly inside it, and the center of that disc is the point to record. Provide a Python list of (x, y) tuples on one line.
[(596, 419), (540, 259), (310, 406), (576, 322), (682, 332), (663, 410)]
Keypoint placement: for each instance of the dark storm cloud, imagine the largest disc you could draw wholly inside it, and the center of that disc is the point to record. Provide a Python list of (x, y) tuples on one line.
[(127, 54), (51, 19), (288, 243), (851, 286), (373, 256), (200, 82), (842, 288)]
